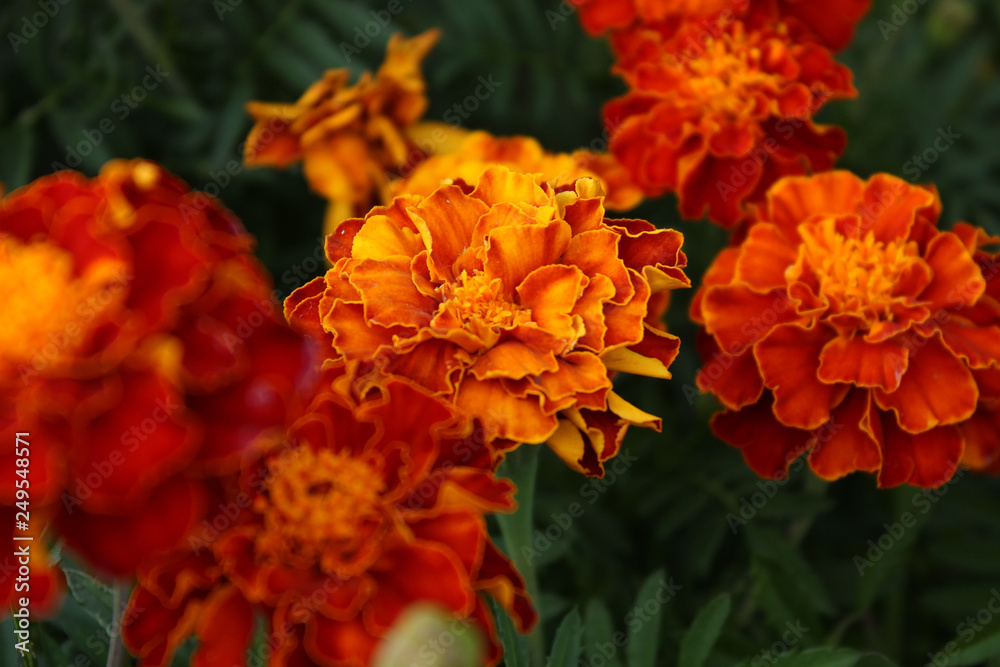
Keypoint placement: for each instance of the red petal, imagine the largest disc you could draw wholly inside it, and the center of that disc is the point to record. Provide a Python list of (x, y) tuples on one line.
[(920, 403), (856, 361), (789, 360)]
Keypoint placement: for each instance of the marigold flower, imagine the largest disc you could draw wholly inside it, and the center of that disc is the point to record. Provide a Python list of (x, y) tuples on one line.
[(510, 299), (525, 155), (831, 24), (847, 324), (142, 348), (350, 138), (721, 124), (374, 507)]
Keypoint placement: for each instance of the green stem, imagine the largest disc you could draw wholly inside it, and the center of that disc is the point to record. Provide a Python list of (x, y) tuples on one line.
[(116, 651), (521, 467)]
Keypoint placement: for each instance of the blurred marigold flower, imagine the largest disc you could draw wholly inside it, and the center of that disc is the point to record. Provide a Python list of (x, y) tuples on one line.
[(831, 24), (513, 300), (720, 123), (350, 138), (847, 324), (143, 350), (525, 155), (373, 507)]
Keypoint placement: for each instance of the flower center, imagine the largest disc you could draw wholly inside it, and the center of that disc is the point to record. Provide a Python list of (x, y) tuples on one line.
[(723, 72), (321, 508), (47, 308), (858, 276), (478, 299)]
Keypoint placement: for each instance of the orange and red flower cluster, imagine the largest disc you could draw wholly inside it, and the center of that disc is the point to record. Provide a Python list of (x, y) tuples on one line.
[(847, 324), (722, 95), (513, 300), (143, 351), (375, 504)]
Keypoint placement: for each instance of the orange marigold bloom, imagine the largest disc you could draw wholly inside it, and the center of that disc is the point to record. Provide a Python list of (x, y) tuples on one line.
[(372, 507), (847, 324), (831, 24), (350, 138), (512, 300), (525, 155), (142, 348), (720, 125)]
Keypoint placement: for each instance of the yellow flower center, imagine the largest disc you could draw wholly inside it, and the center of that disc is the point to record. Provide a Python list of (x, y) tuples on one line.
[(320, 508), (48, 309), (858, 276), (480, 300), (724, 73)]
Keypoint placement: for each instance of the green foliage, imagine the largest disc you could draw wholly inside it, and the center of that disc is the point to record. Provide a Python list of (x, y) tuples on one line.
[(814, 573)]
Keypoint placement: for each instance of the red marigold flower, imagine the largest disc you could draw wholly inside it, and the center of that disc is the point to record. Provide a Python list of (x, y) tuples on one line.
[(847, 324), (512, 300), (831, 24), (525, 155), (373, 507), (350, 138), (719, 125), (981, 431), (142, 349)]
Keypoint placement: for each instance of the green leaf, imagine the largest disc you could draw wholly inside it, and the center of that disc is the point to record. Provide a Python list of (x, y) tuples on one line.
[(600, 632), (515, 647), (644, 630), (566, 647), (823, 657), (704, 631), (977, 652), (94, 596)]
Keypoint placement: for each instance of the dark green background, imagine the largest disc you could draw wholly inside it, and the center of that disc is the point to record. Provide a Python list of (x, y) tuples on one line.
[(794, 560)]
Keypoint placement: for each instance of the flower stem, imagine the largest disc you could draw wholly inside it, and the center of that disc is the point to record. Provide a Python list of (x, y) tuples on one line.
[(116, 650), (521, 467)]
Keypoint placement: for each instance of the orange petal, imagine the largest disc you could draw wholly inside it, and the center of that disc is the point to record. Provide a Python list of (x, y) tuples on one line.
[(515, 360), (855, 360), (796, 199), (765, 255), (957, 280), (920, 403), (739, 317), (446, 220), (789, 359), (504, 415), (513, 252), (848, 442), (390, 298), (596, 253), (551, 292), (978, 346)]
